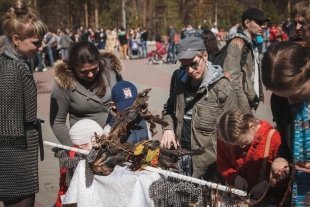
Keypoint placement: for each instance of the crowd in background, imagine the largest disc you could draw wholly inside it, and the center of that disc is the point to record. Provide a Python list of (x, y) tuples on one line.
[(133, 43)]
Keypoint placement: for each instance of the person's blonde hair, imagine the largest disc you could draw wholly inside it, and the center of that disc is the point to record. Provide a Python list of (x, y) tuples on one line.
[(21, 20), (234, 123)]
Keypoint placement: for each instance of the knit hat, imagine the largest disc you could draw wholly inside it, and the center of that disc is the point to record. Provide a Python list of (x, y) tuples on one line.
[(188, 47), (124, 94), (83, 131)]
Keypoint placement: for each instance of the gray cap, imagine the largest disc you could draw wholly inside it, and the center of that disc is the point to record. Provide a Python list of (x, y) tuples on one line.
[(187, 48)]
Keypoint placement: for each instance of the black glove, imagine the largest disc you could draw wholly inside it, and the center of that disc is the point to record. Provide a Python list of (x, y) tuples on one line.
[(240, 183), (259, 190), (254, 104)]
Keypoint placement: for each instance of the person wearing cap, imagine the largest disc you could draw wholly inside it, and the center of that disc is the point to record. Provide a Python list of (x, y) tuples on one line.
[(246, 79), (81, 134), (199, 94), (123, 95)]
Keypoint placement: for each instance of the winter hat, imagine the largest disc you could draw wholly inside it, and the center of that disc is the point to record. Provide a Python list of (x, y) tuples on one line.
[(124, 94), (83, 131), (188, 47)]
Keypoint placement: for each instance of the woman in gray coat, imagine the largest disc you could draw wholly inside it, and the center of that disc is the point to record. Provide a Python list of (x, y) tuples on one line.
[(82, 88)]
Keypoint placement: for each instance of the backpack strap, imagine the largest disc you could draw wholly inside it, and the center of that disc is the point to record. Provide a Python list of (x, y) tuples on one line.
[(266, 155), (244, 54), (198, 96)]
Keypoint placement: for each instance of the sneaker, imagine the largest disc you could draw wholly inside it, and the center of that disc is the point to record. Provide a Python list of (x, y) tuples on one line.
[(44, 69)]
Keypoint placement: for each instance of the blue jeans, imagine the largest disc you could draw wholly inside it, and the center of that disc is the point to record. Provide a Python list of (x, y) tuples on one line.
[(171, 53), (39, 61), (185, 165), (50, 54), (144, 49)]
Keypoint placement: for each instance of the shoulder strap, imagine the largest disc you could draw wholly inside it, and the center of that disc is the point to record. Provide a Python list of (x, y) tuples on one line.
[(266, 154), (196, 98), (244, 54)]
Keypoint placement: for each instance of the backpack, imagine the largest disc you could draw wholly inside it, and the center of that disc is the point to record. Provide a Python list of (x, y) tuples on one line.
[(219, 56)]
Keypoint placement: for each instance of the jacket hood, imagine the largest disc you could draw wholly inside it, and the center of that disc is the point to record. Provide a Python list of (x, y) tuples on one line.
[(66, 78), (215, 72), (241, 35)]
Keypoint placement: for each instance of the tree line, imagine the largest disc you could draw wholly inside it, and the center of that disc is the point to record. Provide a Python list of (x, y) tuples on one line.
[(154, 15)]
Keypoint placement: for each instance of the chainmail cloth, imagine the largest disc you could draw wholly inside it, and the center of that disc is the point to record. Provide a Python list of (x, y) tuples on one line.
[(71, 164), (173, 192), (89, 173), (18, 98), (67, 162), (18, 145)]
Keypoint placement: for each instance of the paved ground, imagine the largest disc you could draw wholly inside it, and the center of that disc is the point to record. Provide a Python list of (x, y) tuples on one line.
[(144, 76)]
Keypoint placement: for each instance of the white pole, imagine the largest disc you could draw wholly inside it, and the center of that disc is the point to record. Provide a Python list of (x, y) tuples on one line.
[(74, 149), (197, 181), (163, 172)]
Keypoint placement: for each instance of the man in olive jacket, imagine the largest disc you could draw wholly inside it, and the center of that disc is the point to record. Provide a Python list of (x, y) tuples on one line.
[(245, 77), (199, 94)]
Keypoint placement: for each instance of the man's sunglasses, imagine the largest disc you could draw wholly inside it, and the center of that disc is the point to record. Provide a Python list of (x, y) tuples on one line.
[(193, 65)]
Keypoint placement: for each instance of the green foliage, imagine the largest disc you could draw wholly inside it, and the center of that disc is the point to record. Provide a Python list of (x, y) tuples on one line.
[(154, 15), (275, 12), (110, 14), (228, 19)]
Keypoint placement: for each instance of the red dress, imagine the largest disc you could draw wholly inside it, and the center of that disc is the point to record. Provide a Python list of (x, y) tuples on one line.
[(247, 162)]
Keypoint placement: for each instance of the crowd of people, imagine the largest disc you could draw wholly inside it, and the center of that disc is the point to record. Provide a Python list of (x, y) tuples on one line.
[(55, 45), (133, 43), (211, 103)]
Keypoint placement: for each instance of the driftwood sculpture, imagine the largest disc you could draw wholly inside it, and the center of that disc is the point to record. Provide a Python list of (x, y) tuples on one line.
[(113, 148)]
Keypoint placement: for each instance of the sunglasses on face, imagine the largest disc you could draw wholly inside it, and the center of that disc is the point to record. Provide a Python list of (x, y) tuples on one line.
[(193, 65)]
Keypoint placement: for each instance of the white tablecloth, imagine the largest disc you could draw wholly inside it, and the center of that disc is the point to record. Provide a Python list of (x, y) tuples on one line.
[(121, 188)]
